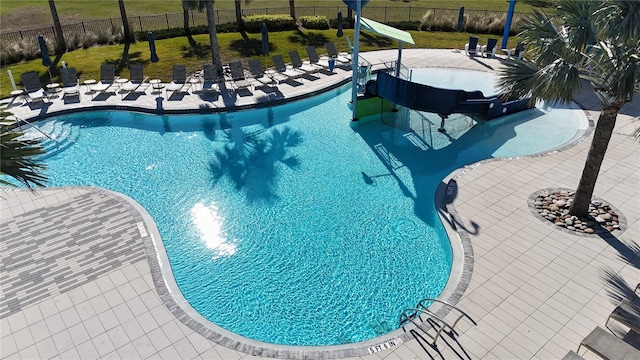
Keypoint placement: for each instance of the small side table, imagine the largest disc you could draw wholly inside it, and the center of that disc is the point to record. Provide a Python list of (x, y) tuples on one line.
[(194, 81), (156, 84), (120, 82), (15, 94), (53, 88), (89, 84)]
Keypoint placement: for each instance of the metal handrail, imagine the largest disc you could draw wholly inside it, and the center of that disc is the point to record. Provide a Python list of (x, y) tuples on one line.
[(423, 309), (19, 120)]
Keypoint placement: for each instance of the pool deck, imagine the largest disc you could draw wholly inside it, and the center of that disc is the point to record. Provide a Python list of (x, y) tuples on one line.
[(80, 279)]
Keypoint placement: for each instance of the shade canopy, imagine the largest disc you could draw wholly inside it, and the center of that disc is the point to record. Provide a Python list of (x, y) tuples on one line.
[(265, 39), (46, 60), (353, 4), (386, 30), (152, 47), (339, 33)]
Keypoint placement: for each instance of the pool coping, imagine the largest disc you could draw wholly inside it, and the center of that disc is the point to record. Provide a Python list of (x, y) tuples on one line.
[(459, 279)]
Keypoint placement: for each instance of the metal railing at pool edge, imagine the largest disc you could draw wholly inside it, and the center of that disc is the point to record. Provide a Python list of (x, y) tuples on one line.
[(422, 308)]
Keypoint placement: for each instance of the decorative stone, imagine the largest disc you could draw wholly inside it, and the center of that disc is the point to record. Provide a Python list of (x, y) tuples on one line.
[(560, 203), (589, 231), (606, 216)]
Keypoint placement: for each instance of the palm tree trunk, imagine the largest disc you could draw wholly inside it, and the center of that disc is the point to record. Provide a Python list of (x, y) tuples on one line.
[(126, 33), (292, 9), (61, 45), (187, 28), (213, 37), (595, 157)]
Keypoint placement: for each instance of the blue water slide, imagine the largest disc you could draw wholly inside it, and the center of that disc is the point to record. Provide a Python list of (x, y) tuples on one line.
[(443, 102)]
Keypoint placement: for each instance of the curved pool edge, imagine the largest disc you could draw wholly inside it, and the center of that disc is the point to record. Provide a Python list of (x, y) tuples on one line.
[(460, 276)]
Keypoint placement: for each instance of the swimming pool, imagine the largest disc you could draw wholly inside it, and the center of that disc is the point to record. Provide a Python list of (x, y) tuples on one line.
[(286, 226)]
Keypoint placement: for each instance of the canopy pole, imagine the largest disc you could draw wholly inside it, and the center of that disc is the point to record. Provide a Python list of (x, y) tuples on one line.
[(399, 59), (507, 25), (354, 65)]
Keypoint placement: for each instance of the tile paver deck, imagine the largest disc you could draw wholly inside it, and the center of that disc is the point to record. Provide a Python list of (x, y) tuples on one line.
[(535, 291)]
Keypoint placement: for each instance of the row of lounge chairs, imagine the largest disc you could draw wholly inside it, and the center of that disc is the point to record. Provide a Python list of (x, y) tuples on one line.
[(181, 83), (473, 47)]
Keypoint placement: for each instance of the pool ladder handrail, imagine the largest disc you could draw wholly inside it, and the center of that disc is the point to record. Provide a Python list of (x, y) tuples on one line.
[(422, 308), (20, 120)]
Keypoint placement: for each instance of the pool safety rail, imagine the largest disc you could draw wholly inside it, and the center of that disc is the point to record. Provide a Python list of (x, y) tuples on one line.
[(433, 321), (17, 122)]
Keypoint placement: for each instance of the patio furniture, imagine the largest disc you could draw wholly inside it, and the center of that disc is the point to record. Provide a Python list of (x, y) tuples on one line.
[(138, 82), (490, 48), (70, 83), (608, 346), (259, 75), (107, 83), (237, 75), (515, 52), (572, 355), (626, 313), (472, 47), (296, 62), (333, 53), (179, 84), (315, 59), (210, 80), (281, 68), (33, 87)]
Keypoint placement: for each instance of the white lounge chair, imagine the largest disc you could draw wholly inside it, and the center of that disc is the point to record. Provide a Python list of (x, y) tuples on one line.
[(237, 75), (137, 82), (281, 68), (296, 62), (33, 87), (472, 47), (70, 83), (107, 83), (490, 48), (179, 84), (259, 75)]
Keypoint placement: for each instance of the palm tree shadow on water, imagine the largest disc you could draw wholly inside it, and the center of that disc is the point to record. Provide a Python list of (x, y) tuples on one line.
[(252, 160)]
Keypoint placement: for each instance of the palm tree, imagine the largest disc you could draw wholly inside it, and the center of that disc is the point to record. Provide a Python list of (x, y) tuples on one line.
[(589, 40), (292, 9), (128, 35), (61, 45), (239, 16), (213, 36), (17, 158), (188, 5)]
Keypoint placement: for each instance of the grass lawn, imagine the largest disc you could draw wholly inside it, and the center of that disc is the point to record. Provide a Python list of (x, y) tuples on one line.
[(232, 47)]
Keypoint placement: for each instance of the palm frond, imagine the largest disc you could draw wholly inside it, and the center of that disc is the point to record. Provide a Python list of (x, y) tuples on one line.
[(18, 158)]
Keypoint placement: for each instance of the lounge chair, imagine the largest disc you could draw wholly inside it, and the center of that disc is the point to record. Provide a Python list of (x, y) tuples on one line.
[(333, 53), (179, 84), (608, 346), (210, 79), (281, 68), (314, 59), (137, 82), (490, 48), (515, 52), (107, 83), (259, 75), (296, 62), (237, 75), (70, 83), (472, 47), (626, 313), (33, 87)]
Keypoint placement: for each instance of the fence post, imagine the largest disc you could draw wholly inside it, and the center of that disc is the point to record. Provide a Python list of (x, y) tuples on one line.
[(385, 14), (193, 20), (84, 29), (140, 22), (21, 37), (166, 17), (111, 21), (409, 13)]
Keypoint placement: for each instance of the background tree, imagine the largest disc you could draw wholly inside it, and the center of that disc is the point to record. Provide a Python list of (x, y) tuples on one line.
[(213, 36), (597, 41), (61, 45), (127, 34), (187, 6), (292, 9)]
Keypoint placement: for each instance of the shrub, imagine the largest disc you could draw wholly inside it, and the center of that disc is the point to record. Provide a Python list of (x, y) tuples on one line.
[(405, 25), (253, 23), (314, 22), (17, 51)]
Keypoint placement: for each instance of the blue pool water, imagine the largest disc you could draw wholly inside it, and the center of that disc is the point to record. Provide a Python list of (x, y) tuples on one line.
[(286, 225)]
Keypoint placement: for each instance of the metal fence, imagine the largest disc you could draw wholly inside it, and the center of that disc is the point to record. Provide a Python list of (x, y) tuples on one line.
[(167, 21)]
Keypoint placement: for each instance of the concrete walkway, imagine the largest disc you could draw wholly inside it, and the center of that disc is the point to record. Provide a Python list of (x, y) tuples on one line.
[(80, 278)]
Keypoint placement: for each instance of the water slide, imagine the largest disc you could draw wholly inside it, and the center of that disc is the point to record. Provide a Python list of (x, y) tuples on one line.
[(443, 102)]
